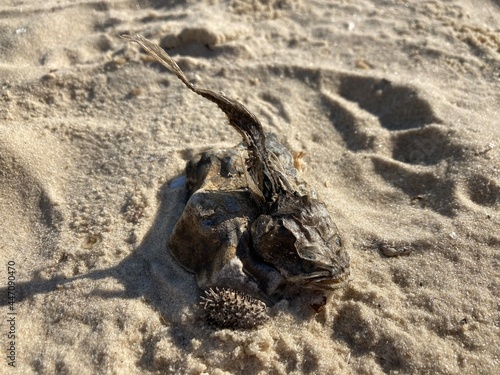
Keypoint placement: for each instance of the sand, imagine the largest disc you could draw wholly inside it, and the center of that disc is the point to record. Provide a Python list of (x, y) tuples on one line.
[(396, 105)]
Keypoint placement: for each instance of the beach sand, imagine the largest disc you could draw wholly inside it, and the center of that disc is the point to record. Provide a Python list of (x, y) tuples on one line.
[(396, 106)]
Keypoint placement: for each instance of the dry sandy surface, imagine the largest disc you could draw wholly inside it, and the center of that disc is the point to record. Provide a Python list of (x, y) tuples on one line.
[(396, 105)]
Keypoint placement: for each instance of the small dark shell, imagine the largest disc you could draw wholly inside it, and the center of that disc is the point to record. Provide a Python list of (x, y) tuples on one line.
[(228, 308)]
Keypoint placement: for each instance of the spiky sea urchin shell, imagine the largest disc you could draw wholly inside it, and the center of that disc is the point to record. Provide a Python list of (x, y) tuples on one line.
[(228, 308)]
